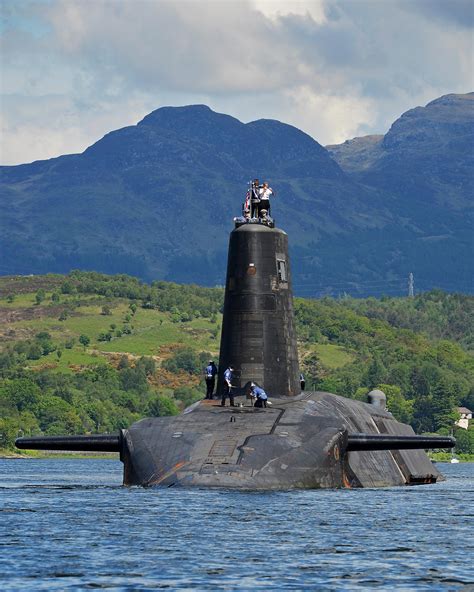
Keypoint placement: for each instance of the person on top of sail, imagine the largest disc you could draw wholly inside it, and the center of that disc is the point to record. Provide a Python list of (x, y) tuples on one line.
[(255, 198), (264, 193)]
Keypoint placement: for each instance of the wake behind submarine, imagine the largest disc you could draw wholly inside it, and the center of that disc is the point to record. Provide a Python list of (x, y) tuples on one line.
[(304, 440)]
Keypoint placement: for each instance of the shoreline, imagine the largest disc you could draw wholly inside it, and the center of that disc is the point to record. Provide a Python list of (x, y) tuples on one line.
[(6, 454)]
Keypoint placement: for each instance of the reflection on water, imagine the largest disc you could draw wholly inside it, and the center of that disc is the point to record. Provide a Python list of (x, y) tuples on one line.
[(69, 525)]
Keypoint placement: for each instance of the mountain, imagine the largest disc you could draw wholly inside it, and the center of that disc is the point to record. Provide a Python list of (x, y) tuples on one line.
[(426, 164), (358, 154), (429, 147), (157, 199)]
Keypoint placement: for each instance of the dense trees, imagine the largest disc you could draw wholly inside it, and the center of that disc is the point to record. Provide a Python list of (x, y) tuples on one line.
[(188, 360), (100, 399), (436, 314), (184, 301), (424, 378)]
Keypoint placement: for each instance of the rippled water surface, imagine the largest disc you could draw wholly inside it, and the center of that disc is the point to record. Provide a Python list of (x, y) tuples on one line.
[(69, 525)]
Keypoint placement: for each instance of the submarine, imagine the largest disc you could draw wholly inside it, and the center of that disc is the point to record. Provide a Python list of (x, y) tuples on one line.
[(305, 439)]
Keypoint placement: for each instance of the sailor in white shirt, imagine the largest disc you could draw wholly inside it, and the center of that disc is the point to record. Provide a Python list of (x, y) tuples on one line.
[(264, 194)]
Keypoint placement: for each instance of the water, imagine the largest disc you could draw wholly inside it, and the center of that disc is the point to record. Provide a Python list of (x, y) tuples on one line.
[(69, 525)]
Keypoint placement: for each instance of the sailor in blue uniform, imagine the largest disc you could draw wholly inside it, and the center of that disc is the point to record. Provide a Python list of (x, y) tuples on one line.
[(210, 375), (228, 376), (259, 395)]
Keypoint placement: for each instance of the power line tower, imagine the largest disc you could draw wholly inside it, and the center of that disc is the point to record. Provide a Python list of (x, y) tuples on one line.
[(411, 285)]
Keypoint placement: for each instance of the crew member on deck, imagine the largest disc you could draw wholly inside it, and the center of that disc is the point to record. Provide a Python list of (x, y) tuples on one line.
[(228, 376), (210, 374), (259, 395)]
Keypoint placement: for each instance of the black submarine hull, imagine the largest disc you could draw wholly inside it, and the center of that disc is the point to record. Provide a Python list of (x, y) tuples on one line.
[(315, 440)]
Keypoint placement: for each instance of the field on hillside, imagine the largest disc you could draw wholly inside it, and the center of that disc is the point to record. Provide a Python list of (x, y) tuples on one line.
[(102, 320), (153, 333)]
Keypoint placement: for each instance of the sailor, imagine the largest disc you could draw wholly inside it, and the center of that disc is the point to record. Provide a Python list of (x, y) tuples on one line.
[(228, 376), (210, 374), (259, 395), (264, 193), (255, 198), (264, 218), (302, 381)]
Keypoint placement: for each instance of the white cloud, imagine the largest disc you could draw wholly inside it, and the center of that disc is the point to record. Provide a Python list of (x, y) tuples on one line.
[(275, 9), (75, 69), (329, 116)]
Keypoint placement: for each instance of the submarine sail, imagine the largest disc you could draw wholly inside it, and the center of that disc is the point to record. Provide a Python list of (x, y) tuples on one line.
[(258, 330)]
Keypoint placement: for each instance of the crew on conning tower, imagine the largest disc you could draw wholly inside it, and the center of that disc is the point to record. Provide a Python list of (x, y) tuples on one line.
[(256, 207)]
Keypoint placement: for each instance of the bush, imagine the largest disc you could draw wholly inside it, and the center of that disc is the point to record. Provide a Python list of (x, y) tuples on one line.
[(184, 359), (187, 395), (44, 340), (161, 406), (84, 340), (147, 365), (40, 296), (133, 379), (105, 336), (8, 432), (34, 352), (68, 288)]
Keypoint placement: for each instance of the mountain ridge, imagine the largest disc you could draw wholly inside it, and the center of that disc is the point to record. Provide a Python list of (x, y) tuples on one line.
[(156, 200)]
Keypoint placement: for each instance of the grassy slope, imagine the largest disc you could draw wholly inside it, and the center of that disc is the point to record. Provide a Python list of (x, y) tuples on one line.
[(154, 334), (330, 355)]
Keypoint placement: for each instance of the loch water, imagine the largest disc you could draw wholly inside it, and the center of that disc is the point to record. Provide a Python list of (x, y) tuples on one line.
[(68, 524)]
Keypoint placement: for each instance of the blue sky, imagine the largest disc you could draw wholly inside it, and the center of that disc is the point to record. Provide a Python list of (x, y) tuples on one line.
[(72, 70)]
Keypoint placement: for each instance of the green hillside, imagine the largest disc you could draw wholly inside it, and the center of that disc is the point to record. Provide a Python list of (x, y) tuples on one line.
[(93, 353)]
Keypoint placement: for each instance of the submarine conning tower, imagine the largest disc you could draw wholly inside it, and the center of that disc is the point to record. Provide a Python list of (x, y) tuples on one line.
[(258, 329)]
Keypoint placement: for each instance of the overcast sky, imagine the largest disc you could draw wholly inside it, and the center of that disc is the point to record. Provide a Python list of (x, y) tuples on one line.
[(72, 70)]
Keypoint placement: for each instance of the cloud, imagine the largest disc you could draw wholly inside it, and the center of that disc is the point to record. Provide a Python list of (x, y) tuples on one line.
[(42, 127), (459, 13), (333, 68), (276, 9)]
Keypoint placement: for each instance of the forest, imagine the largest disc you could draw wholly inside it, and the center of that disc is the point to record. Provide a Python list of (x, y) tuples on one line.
[(92, 353)]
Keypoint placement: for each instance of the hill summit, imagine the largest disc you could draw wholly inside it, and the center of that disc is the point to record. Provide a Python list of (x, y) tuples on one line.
[(157, 199)]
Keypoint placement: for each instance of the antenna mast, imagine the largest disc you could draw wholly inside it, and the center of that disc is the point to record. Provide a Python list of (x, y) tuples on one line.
[(411, 285)]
